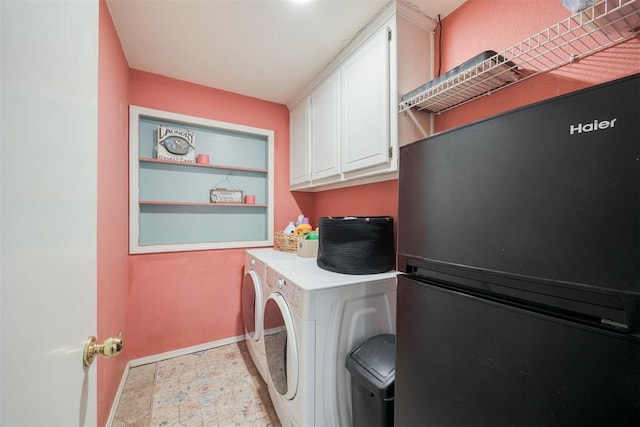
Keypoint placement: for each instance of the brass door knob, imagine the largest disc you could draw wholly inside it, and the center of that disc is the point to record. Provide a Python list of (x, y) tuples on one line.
[(110, 347)]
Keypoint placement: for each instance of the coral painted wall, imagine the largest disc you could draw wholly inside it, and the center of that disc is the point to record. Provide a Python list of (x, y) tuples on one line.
[(363, 200), (480, 25), (378, 199), (112, 262), (178, 300)]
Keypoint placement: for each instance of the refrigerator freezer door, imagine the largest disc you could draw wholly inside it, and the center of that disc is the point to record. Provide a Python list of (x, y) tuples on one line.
[(548, 192)]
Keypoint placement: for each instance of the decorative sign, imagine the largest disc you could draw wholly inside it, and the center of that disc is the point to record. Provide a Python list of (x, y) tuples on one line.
[(224, 195), (177, 145)]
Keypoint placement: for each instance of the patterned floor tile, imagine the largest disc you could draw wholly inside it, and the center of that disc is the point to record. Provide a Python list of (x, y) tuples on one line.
[(216, 387)]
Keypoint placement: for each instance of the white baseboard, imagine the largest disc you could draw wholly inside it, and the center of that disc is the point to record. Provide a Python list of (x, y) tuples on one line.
[(183, 351), (163, 356), (116, 399)]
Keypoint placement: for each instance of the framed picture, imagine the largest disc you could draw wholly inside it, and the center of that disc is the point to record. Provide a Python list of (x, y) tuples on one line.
[(176, 144)]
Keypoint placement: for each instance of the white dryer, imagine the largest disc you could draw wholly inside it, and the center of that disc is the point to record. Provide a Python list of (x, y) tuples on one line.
[(253, 294), (313, 318)]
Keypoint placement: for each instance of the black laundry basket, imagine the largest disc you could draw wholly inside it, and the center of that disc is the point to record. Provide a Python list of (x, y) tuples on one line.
[(356, 245), (372, 365)]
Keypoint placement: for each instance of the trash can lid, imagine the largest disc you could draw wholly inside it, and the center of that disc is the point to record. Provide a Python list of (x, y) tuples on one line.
[(373, 364)]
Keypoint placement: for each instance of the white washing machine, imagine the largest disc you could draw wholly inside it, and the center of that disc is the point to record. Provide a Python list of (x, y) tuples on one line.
[(254, 293), (312, 319)]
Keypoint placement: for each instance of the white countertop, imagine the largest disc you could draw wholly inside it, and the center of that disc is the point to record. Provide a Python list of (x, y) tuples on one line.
[(307, 275)]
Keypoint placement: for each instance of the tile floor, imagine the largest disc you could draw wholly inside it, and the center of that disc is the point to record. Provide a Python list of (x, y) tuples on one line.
[(216, 387)]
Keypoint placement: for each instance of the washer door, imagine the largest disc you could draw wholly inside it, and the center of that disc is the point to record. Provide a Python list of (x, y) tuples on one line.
[(252, 305), (280, 346)]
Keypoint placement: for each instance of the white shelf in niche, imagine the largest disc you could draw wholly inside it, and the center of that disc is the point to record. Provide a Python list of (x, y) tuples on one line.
[(202, 165), (211, 205), (169, 207)]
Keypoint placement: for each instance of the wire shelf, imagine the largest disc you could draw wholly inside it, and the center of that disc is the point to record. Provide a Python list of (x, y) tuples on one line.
[(595, 28)]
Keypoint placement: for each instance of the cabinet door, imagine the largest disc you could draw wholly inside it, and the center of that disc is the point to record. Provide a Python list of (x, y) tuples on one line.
[(365, 100), (299, 143), (325, 129)]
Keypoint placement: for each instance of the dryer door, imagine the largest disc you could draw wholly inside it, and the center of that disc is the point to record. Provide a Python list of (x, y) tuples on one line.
[(252, 305), (280, 346)]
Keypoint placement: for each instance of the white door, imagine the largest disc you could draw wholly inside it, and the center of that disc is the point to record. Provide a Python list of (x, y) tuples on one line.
[(365, 100), (299, 143), (280, 345), (325, 128), (252, 305), (48, 170)]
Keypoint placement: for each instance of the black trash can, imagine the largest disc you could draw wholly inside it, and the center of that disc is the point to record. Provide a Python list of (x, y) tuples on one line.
[(372, 365)]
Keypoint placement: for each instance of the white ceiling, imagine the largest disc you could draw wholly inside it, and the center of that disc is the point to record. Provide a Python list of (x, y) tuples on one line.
[(267, 49)]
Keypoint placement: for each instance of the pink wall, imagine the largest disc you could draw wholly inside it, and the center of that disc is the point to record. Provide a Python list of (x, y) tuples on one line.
[(378, 199), (178, 300), (480, 25), (113, 266)]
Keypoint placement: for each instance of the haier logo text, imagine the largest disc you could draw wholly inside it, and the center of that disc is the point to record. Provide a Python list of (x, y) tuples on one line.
[(592, 126)]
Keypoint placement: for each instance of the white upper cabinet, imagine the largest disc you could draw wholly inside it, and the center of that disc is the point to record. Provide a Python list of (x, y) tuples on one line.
[(324, 139), (350, 128), (365, 101), (298, 147)]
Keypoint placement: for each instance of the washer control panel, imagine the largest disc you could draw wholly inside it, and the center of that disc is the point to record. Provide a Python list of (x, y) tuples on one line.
[(253, 263), (289, 290)]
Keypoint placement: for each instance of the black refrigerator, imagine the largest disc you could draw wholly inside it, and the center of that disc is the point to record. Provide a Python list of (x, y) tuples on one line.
[(519, 244)]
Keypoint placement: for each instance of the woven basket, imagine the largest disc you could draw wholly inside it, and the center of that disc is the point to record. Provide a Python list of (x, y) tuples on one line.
[(286, 242)]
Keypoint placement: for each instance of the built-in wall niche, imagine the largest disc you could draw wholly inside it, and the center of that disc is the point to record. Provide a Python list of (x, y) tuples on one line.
[(196, 183)]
